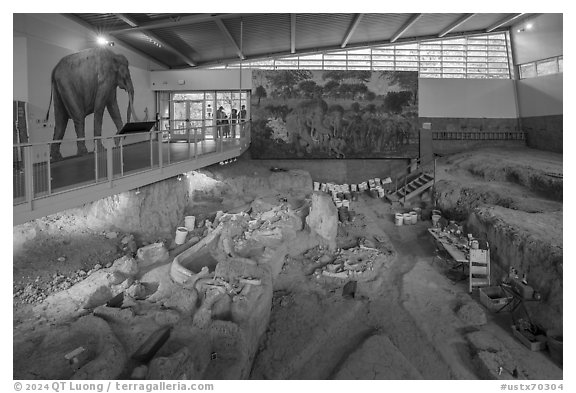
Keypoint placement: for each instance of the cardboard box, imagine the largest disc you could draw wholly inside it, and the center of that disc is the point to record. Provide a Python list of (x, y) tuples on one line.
[(537, 344), (495, 299)]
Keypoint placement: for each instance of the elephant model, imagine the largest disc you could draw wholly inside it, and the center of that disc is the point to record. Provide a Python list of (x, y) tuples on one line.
[(85, 83)]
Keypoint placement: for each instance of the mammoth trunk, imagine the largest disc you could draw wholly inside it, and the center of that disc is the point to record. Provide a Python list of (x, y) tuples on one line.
[(130, 110)]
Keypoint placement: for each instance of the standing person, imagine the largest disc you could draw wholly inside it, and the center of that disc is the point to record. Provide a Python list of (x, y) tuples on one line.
[(226, 126), (219, 121), (234, 121), (243, 114)]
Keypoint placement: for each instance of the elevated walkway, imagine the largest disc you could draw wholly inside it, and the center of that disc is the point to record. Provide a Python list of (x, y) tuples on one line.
[(116, 164)]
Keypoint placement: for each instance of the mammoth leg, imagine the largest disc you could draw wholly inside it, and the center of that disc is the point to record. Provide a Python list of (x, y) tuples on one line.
[(60, 122), (98, 115), (79, 126), (116, 117)]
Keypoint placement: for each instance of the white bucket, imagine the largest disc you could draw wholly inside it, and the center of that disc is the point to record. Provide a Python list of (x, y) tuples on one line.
[(435, 219), (381, 192), (181, 233), (189, 222), (316, 186), (407, 219), (413, 217), (399, 218)]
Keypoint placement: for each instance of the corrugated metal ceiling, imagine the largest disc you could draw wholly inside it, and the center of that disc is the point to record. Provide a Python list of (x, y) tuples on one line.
[(198, 38)]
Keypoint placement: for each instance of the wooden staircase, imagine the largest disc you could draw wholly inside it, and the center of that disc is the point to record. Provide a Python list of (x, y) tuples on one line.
[(413, 188)]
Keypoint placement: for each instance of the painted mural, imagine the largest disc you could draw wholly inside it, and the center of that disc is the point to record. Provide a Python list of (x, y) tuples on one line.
[(334, 114)]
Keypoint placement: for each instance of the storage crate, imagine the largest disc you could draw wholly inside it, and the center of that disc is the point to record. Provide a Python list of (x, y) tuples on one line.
[(495, 299), (537, 344)]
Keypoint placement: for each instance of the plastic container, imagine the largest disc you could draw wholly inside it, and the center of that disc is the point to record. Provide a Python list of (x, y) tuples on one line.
[(399, 219), (181, 233), (413, 218), (407, 219), (189, 222), (316, 186), (435, 219)]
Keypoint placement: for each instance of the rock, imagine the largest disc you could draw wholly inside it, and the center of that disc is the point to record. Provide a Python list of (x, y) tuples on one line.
[(126, 239), (111, 235), (62, 259), (116, 278), (172, 367), (323, 219), (182, 300), (97, 266), (151, 254), (81, 273), (126, 265), (99, 297), (472, 314), (139, 372), (137, 290)]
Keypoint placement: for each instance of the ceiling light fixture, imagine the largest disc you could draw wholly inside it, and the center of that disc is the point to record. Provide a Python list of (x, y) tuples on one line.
[(102, 41)]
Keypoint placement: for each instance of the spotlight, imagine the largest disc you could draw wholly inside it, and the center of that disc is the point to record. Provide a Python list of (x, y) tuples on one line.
[(102, 41)]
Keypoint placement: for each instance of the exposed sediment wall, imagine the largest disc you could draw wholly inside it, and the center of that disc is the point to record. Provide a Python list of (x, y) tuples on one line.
[(514, 242), (157, 209)]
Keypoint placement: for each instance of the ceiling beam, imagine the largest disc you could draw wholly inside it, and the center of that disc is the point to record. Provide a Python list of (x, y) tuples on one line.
[(89, 27), (178, 21), (351, 29), (228, 36), (159, 40), (459, 22), (413, 19), (292, 33), (126, 19), (502, 22)]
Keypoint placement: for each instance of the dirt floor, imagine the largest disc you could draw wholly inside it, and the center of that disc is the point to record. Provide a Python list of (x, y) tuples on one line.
[(410, 319)]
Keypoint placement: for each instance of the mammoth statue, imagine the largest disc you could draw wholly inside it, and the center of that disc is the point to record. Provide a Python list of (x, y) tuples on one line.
[(85, 83)]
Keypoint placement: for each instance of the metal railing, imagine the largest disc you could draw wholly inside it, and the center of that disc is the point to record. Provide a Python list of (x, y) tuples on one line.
[(36, 175), (479, 135), (416, 168)]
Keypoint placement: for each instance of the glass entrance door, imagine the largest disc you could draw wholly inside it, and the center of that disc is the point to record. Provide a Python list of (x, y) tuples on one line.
[(180, 121), (196, 112)]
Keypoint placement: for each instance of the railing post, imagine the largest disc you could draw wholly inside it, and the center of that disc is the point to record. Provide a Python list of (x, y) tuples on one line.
[(160, 148), (188, 139), (110, 159), (96, 160), (169, 151), (121, 156), (405, 189), (196, 142), (28, 175), (151, 150), (49, 176)]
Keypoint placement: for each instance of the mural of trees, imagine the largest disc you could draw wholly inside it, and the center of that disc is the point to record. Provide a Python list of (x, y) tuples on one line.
[(334, 114)]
